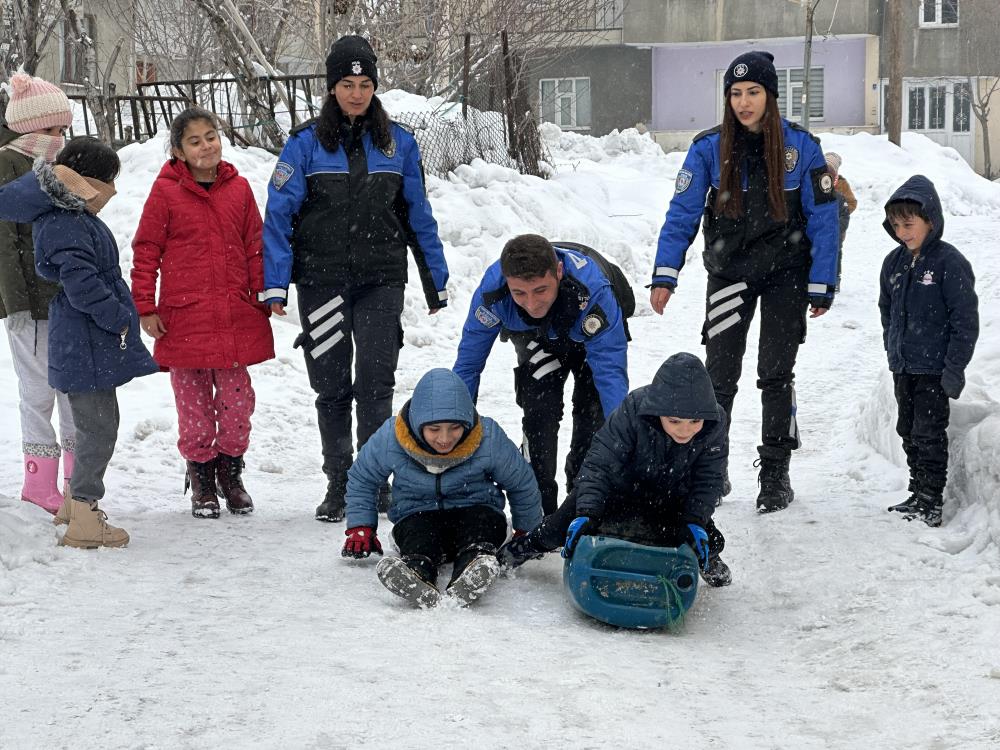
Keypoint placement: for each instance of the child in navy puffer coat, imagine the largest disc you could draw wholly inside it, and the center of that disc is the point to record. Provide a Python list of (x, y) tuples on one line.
[(652, 475), (94, 344), (450, 469), (930, 323)]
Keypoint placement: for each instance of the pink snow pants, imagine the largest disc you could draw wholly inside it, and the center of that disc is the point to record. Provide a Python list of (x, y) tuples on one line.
[(213, 411)]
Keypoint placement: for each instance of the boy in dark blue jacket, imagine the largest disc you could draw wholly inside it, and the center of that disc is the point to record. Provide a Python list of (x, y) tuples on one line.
[(930, 323), (652, 475)]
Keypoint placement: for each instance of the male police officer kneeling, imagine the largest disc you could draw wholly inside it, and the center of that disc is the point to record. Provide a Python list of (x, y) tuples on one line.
[(559, 307)]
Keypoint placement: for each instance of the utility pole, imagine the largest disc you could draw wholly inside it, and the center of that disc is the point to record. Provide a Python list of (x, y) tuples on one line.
[(807, 62), (894, 93)]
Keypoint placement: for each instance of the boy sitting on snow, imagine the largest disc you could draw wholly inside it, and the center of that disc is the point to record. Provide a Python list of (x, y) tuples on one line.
[(652, 475), (930, 323), (449, 468)]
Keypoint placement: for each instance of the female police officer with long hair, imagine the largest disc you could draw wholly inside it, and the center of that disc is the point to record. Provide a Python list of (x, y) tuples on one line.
[(770, 229)]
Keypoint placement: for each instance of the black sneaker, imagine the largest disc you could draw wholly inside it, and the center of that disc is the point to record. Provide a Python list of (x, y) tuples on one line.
[(718, 573)]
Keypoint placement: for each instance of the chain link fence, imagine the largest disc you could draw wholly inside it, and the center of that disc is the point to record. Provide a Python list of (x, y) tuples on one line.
[(449, 141)]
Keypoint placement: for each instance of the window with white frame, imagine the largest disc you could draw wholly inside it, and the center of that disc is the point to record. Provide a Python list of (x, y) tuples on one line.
[(961, 117), (565, 102), (944, 106), (791, 82), (939, 12)]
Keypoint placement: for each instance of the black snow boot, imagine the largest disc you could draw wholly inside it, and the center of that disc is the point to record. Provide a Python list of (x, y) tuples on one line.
[(775, 486), (923, 504), (410, 577), (229, 474), (332, 508), (476, 567), (718, 573), (200, 477)]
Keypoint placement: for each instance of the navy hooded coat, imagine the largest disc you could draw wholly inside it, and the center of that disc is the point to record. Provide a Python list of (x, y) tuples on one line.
[(928, 304), (87, 351), (633, 463)]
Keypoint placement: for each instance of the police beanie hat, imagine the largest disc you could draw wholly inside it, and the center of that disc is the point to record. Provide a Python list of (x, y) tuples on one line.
[(36, 104), (753, 66), (350, 56)]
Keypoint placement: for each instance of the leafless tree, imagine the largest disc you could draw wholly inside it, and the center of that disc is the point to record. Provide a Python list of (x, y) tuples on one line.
[(97, 83), (239, 54), (27, 27)]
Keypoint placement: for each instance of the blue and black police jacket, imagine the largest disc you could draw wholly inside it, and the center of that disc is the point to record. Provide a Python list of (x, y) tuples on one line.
[(599, 326), (750, 247), (325, 226)]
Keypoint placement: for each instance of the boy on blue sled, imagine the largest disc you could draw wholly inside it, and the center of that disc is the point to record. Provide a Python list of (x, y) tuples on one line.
[(652, 475)]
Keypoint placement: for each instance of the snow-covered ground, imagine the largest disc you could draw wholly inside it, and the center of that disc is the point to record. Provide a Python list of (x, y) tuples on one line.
[(845, 627)]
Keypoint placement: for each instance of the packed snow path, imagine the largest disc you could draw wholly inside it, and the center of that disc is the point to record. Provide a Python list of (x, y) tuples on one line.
[(845, 626)]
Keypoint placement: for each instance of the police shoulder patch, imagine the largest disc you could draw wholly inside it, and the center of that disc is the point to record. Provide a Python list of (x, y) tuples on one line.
[(486, 316), (594, 322), (822, 184), (283, 171), (684, 178)]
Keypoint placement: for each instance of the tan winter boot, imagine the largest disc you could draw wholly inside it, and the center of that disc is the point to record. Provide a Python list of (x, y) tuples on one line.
[(89, 529), (62, 515)]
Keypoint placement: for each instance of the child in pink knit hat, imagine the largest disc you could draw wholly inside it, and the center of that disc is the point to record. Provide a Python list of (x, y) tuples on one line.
[(37, 116)]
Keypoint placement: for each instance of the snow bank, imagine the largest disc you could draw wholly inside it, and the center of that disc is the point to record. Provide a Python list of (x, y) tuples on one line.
[(875, 168)]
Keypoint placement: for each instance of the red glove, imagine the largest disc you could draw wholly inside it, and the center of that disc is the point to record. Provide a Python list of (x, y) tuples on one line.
[(361, 542), (518, 533)]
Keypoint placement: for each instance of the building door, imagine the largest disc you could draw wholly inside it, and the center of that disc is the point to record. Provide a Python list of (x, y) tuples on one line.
[(941, 109)]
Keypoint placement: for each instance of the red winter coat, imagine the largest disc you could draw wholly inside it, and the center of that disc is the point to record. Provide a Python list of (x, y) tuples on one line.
[(206, 248)]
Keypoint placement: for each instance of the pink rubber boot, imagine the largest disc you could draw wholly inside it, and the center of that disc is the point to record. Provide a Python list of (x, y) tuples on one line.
[(68, 458), (40, 476)]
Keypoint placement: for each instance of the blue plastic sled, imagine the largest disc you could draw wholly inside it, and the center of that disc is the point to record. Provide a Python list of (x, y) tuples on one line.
[(631, 585)]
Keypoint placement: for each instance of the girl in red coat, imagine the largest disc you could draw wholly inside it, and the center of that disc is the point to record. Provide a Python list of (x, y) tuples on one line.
[(200, 232)]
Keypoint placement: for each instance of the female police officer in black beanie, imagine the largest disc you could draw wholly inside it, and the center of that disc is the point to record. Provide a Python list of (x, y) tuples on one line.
[(771, 235), (345, 200)]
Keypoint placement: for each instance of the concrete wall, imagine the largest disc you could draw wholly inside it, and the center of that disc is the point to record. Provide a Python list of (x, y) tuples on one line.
[(686, 91), (619, 84), (971, 48), (671, 21)]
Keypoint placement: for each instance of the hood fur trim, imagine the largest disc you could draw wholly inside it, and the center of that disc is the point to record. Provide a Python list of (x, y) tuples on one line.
[(52, 186)]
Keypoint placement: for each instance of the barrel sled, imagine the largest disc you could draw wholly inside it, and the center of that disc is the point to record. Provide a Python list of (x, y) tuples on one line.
[(631, 585)]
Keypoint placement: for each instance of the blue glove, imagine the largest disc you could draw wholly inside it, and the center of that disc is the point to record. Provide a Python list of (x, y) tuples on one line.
[(579, 527), (699, 543)]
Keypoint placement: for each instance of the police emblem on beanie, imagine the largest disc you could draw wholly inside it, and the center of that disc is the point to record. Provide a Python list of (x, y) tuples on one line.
[(756, 66), (351, 56)]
